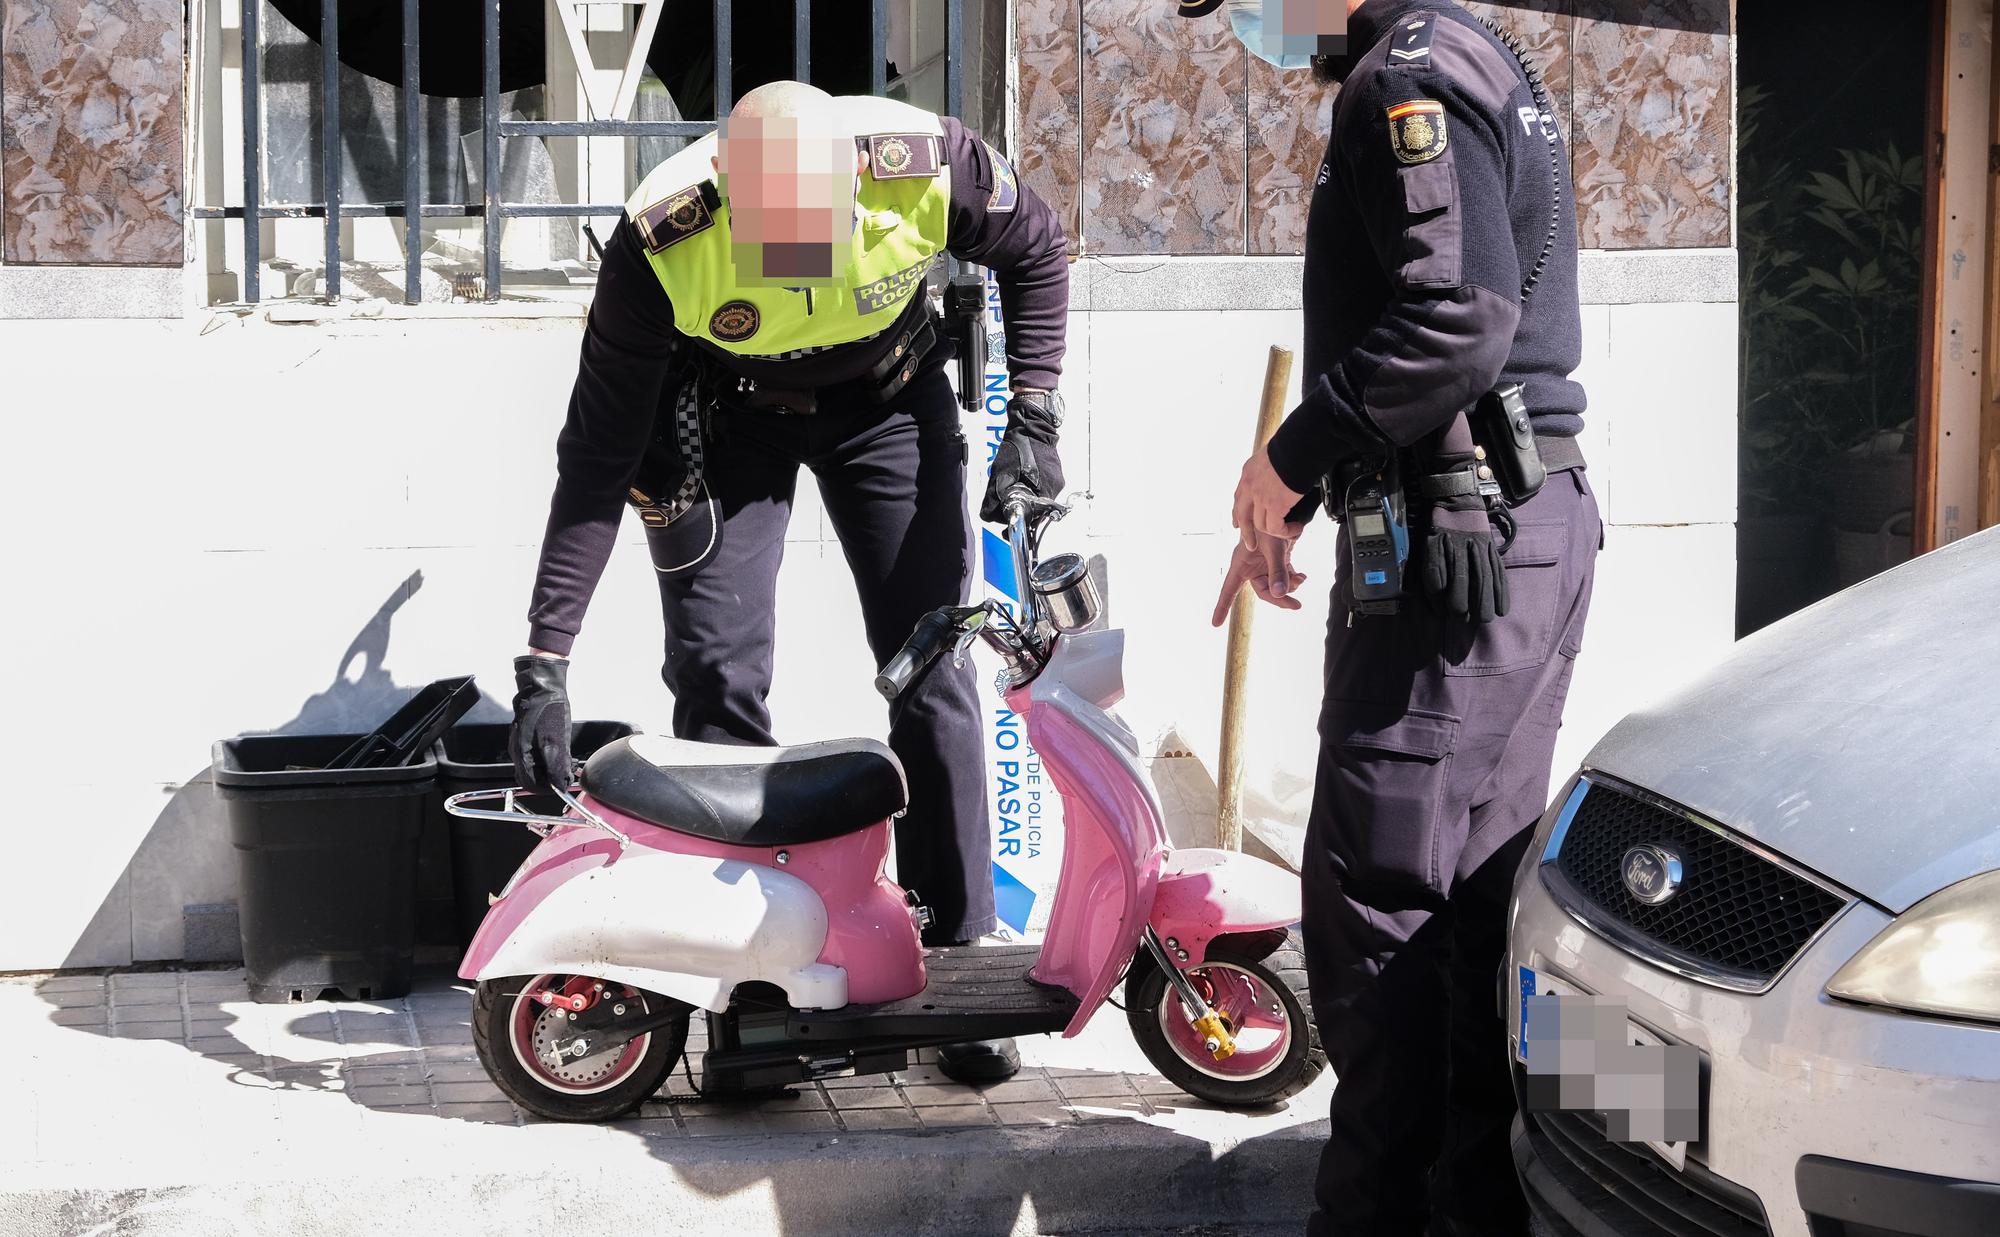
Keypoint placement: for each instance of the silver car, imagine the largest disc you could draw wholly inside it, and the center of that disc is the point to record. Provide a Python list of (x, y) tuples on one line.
[(1791, 867)]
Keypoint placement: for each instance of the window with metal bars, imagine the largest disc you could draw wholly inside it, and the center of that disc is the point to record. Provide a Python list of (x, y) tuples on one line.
[(325, 119)]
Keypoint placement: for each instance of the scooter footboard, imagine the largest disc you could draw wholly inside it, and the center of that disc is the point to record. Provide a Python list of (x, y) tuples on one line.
[(690, 927), (1204, 894)]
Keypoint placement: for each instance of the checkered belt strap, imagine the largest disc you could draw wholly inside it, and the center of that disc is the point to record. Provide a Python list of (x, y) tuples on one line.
[(687, 435)]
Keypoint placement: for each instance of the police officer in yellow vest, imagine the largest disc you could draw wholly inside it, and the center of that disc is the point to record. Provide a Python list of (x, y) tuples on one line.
[(762, 307)]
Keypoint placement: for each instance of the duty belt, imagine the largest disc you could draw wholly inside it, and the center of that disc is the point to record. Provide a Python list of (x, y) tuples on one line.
[(711, 384), (1559, 452), (902, 353)]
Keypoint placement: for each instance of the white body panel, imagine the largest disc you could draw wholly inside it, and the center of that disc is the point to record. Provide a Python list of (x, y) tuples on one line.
[(686, 926), (1794, 1073)]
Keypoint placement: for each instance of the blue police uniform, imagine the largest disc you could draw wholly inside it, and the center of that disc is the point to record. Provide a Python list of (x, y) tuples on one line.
[(1441, 199)]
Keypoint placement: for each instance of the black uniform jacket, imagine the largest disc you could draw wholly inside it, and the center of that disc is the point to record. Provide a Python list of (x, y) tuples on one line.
[(631, 351), (1432, 207)]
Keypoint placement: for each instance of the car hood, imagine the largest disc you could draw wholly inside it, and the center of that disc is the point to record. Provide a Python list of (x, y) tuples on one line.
[(1860, 737)]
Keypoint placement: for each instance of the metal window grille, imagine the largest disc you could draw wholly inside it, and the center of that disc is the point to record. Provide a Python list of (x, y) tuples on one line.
[(491, 210)]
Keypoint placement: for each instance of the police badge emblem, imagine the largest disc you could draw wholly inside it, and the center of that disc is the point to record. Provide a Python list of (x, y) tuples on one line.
[(1416, 130), (894, 155), (734, 322)]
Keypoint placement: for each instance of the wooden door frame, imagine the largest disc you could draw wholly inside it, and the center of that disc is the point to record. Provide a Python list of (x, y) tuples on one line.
[(1924, 522), (1989, 390)]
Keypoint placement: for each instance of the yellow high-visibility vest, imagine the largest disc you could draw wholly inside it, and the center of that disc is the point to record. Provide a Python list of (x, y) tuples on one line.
[(901, 210)]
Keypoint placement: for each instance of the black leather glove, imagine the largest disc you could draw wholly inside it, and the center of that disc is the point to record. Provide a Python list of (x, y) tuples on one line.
[(1462, 560), (1027, 455), (539, 742)]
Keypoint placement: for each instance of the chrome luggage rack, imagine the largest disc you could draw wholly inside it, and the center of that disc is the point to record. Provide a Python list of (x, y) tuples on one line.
[(536, 821)]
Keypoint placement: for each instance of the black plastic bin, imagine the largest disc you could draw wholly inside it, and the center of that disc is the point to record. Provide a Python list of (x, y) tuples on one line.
[(327, 860), (484, 853)]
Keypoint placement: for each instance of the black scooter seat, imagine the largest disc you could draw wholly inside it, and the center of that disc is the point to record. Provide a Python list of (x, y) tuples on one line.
[(749, 796)]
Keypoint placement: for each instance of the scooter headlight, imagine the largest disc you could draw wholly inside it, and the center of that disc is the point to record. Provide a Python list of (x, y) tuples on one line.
[(1940, 957)]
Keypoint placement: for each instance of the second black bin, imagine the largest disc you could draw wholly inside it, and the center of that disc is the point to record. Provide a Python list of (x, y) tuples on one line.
[(484, 853)]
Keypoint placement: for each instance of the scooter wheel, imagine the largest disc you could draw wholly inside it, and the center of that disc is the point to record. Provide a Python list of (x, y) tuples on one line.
[(1261, 993), (513, 1032)]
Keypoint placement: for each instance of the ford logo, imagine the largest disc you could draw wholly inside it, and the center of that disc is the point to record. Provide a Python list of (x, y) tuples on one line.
[(1652, 873)]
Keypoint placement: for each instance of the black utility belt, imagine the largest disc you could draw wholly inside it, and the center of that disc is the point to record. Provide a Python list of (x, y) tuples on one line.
[(1557, 453), (902, 356)]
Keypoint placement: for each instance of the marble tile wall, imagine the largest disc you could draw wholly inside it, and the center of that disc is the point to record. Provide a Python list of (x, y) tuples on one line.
[(1164, 131), (90, 131), (1650, 138), (1132, 121), (1050, 158)]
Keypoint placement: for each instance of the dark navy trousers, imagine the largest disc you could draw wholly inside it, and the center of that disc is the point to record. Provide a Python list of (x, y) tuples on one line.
[(892, 479), (1436, 739)]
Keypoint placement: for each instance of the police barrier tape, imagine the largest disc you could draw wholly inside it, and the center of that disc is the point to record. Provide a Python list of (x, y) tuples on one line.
[(1021, 801)]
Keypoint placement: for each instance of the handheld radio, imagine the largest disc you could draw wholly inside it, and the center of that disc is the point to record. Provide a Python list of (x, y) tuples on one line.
[(1378, 534)]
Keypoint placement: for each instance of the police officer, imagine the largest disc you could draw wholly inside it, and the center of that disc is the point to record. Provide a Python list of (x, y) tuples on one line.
[(762, 307), (1440, 263)]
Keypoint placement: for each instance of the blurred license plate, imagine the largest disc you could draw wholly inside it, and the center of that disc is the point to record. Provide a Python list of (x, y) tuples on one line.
[(1533, 983)]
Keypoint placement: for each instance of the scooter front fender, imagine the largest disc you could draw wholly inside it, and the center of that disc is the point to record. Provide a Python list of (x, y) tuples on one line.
[(1204, 894), (582, 906)]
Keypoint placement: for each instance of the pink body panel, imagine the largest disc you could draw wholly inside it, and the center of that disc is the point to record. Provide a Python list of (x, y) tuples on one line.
[(870, 930), (1205, 893), (1112, 845)]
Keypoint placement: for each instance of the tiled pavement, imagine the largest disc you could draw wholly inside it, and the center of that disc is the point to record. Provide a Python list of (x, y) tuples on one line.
[(415, 1055), (171, 1074)]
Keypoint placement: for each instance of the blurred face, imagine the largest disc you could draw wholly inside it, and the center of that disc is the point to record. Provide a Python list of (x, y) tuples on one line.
[(790, 187), (1288, 33)]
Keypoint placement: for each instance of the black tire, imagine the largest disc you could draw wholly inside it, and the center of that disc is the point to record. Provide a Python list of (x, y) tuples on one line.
[(1281, 965), (494, 1008)]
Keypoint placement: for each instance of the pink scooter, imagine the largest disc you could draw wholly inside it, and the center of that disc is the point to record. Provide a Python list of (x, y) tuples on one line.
[(750, 883)]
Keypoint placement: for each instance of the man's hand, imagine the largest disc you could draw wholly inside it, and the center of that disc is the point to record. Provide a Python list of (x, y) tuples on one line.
[(1267, 569), (1263, 501)]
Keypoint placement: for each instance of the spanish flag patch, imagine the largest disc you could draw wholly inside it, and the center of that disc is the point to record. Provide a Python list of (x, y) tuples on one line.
[(1416, 130)]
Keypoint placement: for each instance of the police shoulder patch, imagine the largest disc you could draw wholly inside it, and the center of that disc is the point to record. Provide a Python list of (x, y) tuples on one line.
[(1417, 130), (678, 216), (1006, 186), (902, 156)]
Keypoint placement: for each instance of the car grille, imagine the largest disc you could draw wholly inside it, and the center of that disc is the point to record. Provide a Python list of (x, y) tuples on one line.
[(1628, 1188), (1738, 917)]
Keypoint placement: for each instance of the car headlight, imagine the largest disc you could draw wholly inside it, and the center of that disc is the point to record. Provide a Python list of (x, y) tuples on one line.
[(1942, 956)]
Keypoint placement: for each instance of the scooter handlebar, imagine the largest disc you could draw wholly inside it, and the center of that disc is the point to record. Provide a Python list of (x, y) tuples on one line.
[(934, 632)]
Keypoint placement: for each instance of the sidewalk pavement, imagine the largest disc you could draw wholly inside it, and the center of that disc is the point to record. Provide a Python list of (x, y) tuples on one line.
[(167, 1103)]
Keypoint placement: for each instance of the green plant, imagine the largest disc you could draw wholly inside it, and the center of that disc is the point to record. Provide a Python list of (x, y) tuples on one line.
[(1830, 286)]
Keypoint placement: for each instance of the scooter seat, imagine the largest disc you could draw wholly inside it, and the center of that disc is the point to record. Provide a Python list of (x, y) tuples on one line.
[(749, 796)]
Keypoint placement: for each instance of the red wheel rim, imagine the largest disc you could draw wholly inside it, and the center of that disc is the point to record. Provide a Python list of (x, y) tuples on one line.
[(1254, 1012), (533, 1027)]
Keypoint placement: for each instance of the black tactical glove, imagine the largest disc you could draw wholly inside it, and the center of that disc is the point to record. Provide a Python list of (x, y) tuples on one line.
[(1027, 455), (1462, 556), (539, 742)]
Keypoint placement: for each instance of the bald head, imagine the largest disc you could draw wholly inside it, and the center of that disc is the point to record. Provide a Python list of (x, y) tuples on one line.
[(788, 170), (783, 100)]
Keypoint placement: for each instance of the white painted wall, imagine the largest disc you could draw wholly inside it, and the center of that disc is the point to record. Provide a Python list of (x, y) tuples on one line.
[(204, 515)]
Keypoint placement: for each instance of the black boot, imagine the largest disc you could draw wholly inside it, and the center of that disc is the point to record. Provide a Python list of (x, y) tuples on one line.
[(979, 1060)]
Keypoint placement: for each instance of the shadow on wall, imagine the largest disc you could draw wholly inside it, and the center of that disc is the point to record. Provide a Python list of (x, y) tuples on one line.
[(182, 876)]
